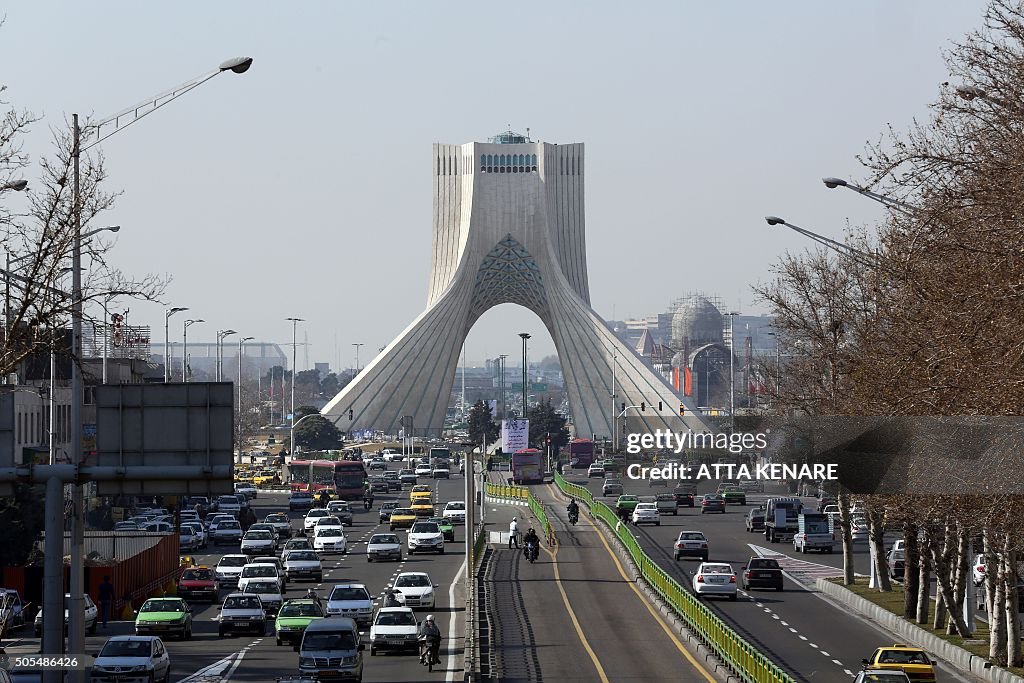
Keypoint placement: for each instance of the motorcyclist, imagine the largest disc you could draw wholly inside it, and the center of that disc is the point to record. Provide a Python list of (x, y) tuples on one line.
[(368, 499), (573, 509), (431, 635), (391, 598), (531, 541), (311, 594)]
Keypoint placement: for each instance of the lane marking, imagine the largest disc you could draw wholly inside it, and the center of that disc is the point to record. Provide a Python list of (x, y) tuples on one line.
[(451, 666), (231, 671)]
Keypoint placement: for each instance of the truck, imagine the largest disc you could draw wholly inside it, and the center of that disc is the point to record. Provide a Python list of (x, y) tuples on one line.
[(815, 531), (781, 518)]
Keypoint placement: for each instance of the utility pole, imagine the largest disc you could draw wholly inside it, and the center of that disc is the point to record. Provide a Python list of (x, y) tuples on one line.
[(525, 336)]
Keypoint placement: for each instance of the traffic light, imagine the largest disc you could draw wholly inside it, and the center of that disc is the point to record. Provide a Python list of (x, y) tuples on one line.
[(547, 438), (643, 406), (682, 409), (659, 407), (350, 413), (623, 408)]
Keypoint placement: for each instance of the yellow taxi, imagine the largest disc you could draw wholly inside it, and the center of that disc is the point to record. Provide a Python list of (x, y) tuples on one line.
[(402, 518), (912, 661), (266, 478), (420, 491), (423, 506)]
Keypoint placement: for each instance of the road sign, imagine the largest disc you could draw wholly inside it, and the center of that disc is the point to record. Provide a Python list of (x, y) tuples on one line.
[(515, 435)]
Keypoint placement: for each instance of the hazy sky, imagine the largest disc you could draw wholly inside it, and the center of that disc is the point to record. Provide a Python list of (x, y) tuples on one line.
[(303, 187)]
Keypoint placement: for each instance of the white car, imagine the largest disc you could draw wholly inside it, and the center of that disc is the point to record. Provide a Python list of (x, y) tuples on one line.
[(312, 517), (595, 471), (415, 590), (261, 570), (330, 539), (259, 542), (328, 522), (299, 543), (229, 505), (188, 539), (242, 612), (269, 591), (200, 530), (979, 569), (394, 628), (859, 529), (423, 470), (455, 511), (159, 527), (145, 655), (303, 564), (441, 472), (646, 513), (91, 615), (715, 578), (248, 490), (426, 536), (213, 521), (384, 547), (350, 600), (226, 532), (228, 570)]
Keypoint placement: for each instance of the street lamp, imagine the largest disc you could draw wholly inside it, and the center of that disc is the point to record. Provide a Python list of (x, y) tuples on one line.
[(239, 387), (167, 341), (291, 429), (887, 202), (857, 255), (357, 355), (76, 605), (220, 352), (15, 185), (524, 336), (732, 370), (185, 372)]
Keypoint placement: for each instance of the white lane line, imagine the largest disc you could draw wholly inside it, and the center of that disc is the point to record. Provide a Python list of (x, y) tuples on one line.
[(451, 623), (801, 637), (215, 669), (836, 661), (231, 671), (775, 616), (813, 645), (792, 629), (825, 653), (847, 672), (784, 623)]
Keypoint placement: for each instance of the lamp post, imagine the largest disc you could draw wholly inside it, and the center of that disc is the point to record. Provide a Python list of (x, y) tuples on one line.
[(76, 604), (524, 336), (732, 377), (15, 186), (357, 355), (887, 202), (501, 383), (861, 257), (184, 348), (167, 341), (238, 385), (220, 352), (291, 429)]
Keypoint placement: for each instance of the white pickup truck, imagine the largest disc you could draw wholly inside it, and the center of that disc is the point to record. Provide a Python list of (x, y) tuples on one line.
[(815, 532)]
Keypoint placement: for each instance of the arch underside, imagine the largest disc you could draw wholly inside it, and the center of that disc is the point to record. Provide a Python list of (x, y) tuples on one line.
[(413, 376)]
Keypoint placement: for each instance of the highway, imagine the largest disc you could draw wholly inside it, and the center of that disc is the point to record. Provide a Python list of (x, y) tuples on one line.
[(810, 638)]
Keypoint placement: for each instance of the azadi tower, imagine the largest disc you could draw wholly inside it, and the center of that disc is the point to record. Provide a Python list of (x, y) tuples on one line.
[(508, 228)]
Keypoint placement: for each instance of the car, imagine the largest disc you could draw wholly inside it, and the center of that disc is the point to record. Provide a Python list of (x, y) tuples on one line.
[(832, 511), (595, 470), (159, 527), (229, 505), (407, 476), (247, 489), (824, 502), (755, 520), (379, 485), (423, 507), (859, 529), (279, 520), (299, 543), (384, 547), (394, 628), (455, 510), (228, 531), (91, 615), (880, 676), (752, 485), (715, 578), (712, 503), (646, 513), (425, 536), (294, 617), (145, 656), (978, 570), (350, 600), (392, 480), (896, 561), (627, 502), (269, 591), (377, 464), (656, 482), (328, 521), (666, 504), (202, 501), (913, 661), (402, 518), (127, 526), (260, 570), (241, 612), (330, 539), (691, 543), (331, 649), (303, 564), (197, 583), (312, 517), (188, 539), (213, 521), (341, 510), (164, 615), (420, 491), (423, 470), (259, 542), (415, 590), (229, 569), (300, 500), (762, 572), (734, 496), (385, 511), (201, 533), (441, 472), (611, 488), (446, 527)]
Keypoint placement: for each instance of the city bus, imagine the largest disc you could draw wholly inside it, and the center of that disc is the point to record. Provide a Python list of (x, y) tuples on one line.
[(438, 453), (581, 453), (300, 472), (527, 467), (349, 478)]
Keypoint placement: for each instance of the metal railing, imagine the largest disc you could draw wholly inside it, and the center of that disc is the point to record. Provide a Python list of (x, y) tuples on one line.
[(747, 661), (523, 493)]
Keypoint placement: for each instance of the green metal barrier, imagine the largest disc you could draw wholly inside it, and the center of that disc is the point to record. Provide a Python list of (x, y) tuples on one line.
[(749, 663), (523, 493)]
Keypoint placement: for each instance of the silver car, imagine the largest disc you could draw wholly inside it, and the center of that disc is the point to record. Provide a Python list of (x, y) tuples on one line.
[(144, 655), (384, 547)]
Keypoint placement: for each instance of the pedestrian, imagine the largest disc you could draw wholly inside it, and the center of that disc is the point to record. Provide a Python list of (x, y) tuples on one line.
[(106, 599), (513, 533)]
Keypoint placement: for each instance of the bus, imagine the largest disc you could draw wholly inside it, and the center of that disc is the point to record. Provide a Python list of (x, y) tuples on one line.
[(349, 478), (527, 467), (581, 453), (439, 453), (301, 472)]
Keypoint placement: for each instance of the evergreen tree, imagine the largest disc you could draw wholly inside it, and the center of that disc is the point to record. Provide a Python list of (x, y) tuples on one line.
[(481, 424), (545, 420)]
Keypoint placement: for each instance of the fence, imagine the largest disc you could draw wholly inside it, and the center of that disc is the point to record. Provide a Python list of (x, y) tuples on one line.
[(523, 493), (750, 664)]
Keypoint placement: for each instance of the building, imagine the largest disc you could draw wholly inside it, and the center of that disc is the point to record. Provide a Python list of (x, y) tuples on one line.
[(508, 227), (257, 359)]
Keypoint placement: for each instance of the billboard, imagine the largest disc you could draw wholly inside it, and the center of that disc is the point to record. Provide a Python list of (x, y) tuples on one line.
[(515, 435), (160, 425)]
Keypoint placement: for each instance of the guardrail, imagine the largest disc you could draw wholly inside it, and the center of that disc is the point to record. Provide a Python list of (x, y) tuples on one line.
[(523, 493), (749, 663)]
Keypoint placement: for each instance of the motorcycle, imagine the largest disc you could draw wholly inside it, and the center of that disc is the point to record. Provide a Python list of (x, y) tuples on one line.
[(428, 652), (574, 517), (531, 551), (367, 503)]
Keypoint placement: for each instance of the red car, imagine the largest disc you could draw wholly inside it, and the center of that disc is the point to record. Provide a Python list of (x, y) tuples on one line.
[(197, 583)]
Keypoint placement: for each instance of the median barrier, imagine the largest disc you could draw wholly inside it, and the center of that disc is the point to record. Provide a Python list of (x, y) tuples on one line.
[(523, 493), (743, 658)]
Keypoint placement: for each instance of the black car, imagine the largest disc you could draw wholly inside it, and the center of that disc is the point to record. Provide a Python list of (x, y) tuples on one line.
[(755, 520), (385, 511), (684, 496), (393, 482), (761, 572)]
